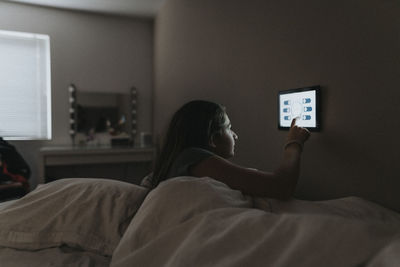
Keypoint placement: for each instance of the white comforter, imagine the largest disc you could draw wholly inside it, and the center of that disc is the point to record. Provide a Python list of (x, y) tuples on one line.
[(190, 221), (201, 222)]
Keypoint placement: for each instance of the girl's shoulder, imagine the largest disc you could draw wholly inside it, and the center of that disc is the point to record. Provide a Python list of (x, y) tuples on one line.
[(186, 159), (195, 151)]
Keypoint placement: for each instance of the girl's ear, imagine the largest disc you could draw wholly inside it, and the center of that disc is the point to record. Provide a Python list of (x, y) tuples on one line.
[(211, 142)]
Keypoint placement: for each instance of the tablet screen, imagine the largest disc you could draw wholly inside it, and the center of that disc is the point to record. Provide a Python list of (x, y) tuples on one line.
[(301, 103)]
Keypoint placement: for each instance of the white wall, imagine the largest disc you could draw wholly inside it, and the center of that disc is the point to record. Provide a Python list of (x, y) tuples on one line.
[(95, 52), (240, 53)]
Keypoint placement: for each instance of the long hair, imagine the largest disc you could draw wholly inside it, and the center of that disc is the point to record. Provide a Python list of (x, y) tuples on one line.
[(192, 125)]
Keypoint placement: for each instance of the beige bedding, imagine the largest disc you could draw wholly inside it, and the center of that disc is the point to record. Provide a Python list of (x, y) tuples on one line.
[(190, 221), (89, 214), (52, 257), (69, 222), (201, 222)]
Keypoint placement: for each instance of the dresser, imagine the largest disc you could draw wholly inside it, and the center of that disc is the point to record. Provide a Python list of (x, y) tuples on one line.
[(128, 164)]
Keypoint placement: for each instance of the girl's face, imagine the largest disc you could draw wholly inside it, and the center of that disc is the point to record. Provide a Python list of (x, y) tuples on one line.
[(224, 142)]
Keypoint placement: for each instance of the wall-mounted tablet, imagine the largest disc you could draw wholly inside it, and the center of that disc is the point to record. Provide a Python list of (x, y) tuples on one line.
[(300, 103)]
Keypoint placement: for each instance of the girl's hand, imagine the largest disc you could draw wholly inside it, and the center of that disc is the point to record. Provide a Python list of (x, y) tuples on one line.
[(298, 134)]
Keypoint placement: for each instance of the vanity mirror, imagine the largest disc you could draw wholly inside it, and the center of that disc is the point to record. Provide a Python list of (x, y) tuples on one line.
[(102, 118)]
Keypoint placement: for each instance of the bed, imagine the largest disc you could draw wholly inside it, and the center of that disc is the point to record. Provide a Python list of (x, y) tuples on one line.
[(189, 221)]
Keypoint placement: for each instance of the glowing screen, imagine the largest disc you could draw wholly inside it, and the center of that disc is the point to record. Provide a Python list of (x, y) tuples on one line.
[(301, 104)]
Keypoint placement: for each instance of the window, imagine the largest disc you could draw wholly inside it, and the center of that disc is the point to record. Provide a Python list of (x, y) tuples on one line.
[(25, 88)]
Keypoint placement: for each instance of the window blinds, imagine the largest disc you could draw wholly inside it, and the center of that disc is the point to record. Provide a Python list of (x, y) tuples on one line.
[(25, 88)]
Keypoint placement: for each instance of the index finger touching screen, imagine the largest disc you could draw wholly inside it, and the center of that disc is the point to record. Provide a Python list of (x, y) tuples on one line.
[(301, 104)]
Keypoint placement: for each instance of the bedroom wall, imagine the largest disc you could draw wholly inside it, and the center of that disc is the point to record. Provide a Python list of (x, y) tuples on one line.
[(240, 53), (95, 52)]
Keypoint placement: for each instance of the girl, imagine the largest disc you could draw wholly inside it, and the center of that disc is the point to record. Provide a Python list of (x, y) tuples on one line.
[(199, 141)]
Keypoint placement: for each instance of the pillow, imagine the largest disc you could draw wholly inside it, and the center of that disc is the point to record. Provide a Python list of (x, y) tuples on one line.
[(91, 214)]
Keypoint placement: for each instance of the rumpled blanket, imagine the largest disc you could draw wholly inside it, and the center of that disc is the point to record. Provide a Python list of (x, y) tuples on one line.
[(189, 221)]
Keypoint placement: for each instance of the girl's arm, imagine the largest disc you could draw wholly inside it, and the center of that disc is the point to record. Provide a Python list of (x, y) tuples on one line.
[(279, 184)]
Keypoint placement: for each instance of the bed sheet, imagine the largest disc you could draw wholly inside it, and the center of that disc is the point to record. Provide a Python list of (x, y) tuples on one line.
[(51, 257), (202, 222), (190, 221)]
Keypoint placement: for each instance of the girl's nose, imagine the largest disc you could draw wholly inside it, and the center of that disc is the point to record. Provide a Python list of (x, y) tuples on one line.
[(235, 136)]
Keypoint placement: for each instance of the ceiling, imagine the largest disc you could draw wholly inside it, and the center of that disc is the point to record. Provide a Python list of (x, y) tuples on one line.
[(135, 8)]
